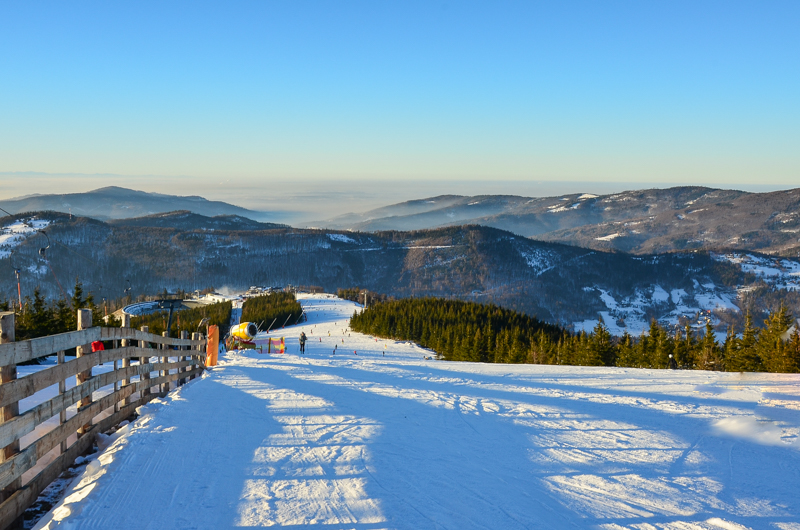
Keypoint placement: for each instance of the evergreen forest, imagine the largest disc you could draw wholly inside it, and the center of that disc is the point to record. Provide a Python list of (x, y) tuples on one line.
[(469, 331), (40, 317), (275, 309)]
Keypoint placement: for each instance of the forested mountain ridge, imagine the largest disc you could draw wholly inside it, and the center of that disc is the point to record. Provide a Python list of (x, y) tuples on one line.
[(638, 221), (187, 220), (555, 282)]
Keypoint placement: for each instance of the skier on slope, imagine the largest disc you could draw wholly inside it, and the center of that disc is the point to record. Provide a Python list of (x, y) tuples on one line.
[(303, 342), (672, 365)]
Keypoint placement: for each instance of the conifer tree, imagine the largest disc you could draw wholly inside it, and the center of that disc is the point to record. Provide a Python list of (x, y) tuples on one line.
[(793, 353), (770, 346), (710, 358), (601, 351)]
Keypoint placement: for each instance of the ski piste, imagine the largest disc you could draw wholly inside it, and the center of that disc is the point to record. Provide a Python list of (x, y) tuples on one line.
[(364, 432)]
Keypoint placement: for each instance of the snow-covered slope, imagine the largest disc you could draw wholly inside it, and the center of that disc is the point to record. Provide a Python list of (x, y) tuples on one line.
[(14, 233), (376, 436)]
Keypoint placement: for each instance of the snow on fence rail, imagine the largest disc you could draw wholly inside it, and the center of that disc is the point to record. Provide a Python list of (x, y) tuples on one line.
[(133, 385)]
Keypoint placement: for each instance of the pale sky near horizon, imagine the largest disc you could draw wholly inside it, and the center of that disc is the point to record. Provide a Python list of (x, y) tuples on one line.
[(258, 95)]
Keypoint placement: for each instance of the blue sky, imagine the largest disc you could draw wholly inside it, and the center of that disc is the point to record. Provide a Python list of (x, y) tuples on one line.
[(254, 93)]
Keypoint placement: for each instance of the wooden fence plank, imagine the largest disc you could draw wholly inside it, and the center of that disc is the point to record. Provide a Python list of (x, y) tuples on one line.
[(23, 387), (19, 352), (135, 334), (25, 423)]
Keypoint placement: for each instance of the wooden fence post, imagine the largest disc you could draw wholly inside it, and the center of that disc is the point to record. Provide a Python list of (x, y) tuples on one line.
[(165, 360), (196, 358), (126, 362), (84, 322), (184, 335), (145, 391), (8, 374), (62, 387)]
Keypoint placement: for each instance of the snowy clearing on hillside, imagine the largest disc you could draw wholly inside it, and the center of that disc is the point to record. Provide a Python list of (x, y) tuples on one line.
[(540, 261), (781, 273), (366, 433), (341, 238), (15, 233), (629, 313)]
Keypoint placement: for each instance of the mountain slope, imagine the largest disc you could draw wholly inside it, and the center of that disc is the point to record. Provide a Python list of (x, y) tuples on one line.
[(558, 283), (643, 221)]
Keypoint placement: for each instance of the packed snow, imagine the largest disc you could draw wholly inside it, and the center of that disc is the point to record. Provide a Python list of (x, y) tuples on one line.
[(367, 433)]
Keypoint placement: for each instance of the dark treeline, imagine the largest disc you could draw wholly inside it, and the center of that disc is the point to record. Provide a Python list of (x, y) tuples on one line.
[(40, 317), (218, 314), (456, 330), (278, 307), (356, 294), (465, 331)]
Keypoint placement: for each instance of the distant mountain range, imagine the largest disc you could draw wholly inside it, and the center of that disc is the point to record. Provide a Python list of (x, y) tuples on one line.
[(559, 283), (641, 222), (121, 203), (186, 220)]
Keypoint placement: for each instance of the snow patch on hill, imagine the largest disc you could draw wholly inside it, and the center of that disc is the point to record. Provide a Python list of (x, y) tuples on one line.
[(630, 313), (781, 273), (341, 238), (12, 235), (540, 261)]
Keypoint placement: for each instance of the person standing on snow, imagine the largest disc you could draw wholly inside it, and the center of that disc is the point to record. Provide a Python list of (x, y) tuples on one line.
[(303, 342), (672, 365)]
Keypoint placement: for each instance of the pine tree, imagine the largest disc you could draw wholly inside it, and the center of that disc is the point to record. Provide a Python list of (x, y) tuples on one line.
[(793, 353), (627, 352), (601, 351), (689, 348), (771, 347), (41, 317), (710, 358), (745, 355)]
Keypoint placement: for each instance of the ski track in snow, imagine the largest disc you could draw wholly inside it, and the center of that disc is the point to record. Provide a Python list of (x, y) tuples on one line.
[(361, 440)]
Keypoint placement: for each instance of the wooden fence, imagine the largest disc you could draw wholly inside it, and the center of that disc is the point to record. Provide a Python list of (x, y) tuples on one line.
[(145, 366)]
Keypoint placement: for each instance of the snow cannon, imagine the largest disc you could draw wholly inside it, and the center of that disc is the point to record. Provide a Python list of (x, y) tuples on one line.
[(242, 336), (244, 331)]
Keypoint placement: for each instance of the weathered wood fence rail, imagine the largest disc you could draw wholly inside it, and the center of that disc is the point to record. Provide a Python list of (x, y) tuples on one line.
[(54, 445)]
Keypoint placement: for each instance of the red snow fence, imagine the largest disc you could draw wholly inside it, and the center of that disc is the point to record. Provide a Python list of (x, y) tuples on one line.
[(27, 468), (279, 346)]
